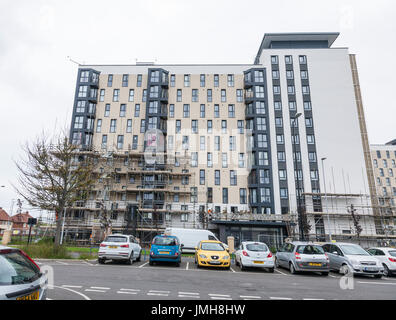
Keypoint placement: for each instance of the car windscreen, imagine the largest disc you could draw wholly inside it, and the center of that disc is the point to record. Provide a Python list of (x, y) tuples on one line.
[(353, 250), (116, 239), (212, 246), (15, 268), (310, 249), (392, 253), (165, 241), (256, 247)]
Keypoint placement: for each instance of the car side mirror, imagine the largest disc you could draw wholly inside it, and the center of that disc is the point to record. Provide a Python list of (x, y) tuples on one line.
[(182, 245), (335, 252), (196, 248), (228, 250)]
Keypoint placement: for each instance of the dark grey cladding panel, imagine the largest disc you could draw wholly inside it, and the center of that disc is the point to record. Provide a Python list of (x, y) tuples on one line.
[(305, 82), (275, 67), (298, 44), (303, 67), (276, 82), (306, 97), (291, 97), (290, 82)]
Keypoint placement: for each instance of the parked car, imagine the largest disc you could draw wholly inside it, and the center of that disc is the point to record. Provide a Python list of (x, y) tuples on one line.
[(254, 254), (302, 256), (349, 257), (212, 253), (190, 238), (20, 276), (165, 248), (387, 256), (119, 247)]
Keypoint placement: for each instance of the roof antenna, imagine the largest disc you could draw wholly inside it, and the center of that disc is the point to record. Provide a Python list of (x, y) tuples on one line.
[(70, 59)]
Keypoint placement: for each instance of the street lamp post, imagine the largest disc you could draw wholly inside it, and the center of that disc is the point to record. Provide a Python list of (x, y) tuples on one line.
[(327, 206), (298, 193)]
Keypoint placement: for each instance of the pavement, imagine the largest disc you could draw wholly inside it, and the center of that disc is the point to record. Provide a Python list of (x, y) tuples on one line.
[(88, 280)]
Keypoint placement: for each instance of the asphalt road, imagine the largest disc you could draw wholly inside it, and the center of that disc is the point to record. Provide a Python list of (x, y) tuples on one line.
[(79, 280)]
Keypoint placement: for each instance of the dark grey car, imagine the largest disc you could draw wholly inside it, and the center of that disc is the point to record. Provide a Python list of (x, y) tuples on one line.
[(302, 256), (20, 277)]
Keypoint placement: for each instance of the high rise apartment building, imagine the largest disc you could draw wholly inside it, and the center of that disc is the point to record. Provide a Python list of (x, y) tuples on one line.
[(242, 144)]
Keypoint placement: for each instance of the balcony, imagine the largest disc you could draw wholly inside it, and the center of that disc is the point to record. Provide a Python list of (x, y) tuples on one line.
[(249, 112), (249, 96)]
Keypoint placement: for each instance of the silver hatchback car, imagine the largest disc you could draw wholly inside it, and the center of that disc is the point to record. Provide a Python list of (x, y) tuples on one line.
[(302, 256), (20, 276)]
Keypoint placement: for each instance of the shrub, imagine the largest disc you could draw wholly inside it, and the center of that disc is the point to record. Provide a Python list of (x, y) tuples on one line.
[(46, 251)]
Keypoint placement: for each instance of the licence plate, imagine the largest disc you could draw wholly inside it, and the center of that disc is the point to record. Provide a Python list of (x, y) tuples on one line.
[(164, 252), (369, 269), (259, 262), (315, 264), (113, 247), (214, 262), (33, 296)]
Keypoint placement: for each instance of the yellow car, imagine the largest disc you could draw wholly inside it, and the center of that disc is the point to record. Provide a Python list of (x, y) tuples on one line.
[(211, 253)]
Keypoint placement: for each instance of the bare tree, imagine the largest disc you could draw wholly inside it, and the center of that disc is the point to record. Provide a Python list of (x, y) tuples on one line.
[(52, 176), (355, 220)]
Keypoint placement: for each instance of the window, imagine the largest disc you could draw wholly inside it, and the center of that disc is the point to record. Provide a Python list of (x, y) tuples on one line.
[(240, 125), (304, 74), (230, 80), (282, 174), (310, 139), (84, 76), (259, 91), (264, 176), (107, 110), (201, 177), (242, 196), (202, 80), (381, 171), (223, 95), (233, 178), (224, 126), (283, 193), (379, 154), (210, 126), (194, 126), (275, 74), (209, 95), (137, 110), (202, 143), (102, 95), (125, 80), (144, 98), (202, 111), (99, 125), (385, 163), (289, 74), (262, 141), (217, 143), (82, 91), (277, 105), (104, 141), (78, 122), (179, 95), (305, 89), (209, 160), (120, 142), (312, 156), (129, 126), (153, 107), (265, 195), (178, 126), (292, 105), (260, 107), (186, 110), (276, 89), (134, 142), (225, 195), (131, 95), (314, 175), (307, 105), (142, 125), (280, 139), (261, 124), (113, 125), (172, 80), (217, 177), (303, 59), (139, 80), (290, 90), (281, 156), (216, 80), (110, 80), (263, 158), (239, 95), (194, 159), (171, 110), (231, 111), (274, 59), (216, 111), (186, 80), (241, 160), (387, 154), (154, 91), (122, 110), (194, 95), (185, 143), (224, 162), (116, 95), (232, 143), (288, 60), (80, 107), (278, 122), (170, 142)]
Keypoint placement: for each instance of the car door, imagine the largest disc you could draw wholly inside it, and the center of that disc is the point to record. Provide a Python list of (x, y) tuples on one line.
[(381, 256), (238, 254), (330, 250), (339, 258), (135, 247), (280, 255)]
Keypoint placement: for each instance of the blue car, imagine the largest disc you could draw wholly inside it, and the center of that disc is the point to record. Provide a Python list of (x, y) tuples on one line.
[(165, 248)]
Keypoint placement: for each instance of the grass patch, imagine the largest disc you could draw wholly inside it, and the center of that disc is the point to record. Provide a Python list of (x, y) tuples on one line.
[(82, 249), (45, 251)]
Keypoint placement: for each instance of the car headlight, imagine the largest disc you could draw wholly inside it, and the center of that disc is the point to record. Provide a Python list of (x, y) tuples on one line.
[(226, 257), (355, 263), (202, 256)]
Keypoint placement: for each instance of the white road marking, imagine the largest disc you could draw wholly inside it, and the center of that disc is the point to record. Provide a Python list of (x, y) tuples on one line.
[(187, 296), (94, 290), (76, 292), (219, 295), (372, 282), (67, 286), (127, 292), (250, 297), (187, 265), (64, 263), (157, 294), (232, 269), (192, 293), (130, 290), (312, 299), (100, 288), (157, 291), (280, 272), (330, 275), (220, 298), (141, 266), (49, 299), (280, 298)]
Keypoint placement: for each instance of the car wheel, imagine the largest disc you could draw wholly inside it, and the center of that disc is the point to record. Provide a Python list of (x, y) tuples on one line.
[(292, 269), (139, 257), (228, 268), (101, 261), (151, 263), (325, 274), (271, 270), (236, 262), (386, 271), (378, 276), (178, 264), (242, 266), (344, 270), (130, 260)]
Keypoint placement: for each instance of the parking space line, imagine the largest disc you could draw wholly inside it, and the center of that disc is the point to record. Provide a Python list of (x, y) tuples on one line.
[(190, 293), (312, 299), (220, 298), (232, 269), (130, 290), (94, 290), (218, 295), (75, 287), (141, 266), (250, 297), (100, 288), (157, 294), (127, 292), (372, 282), (157, 291), (280, 272), (64, 263), (280, 298), (187, 265), (187, 296)]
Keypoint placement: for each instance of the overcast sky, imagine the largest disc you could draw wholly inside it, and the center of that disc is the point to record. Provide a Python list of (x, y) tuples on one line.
[(37, 81)]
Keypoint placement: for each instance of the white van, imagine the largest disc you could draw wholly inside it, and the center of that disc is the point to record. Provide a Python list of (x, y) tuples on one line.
[(190, 238)]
